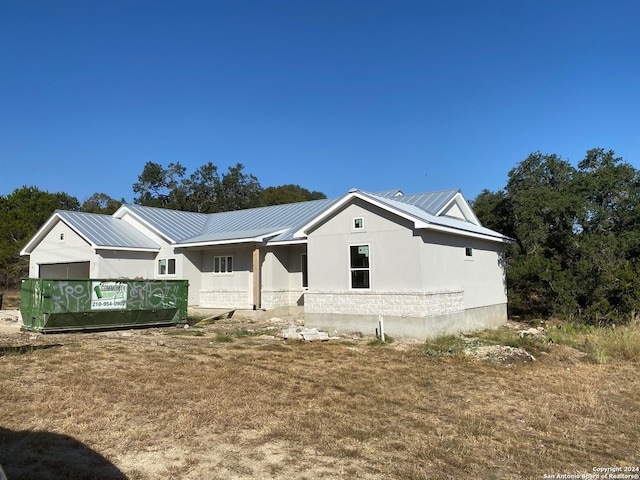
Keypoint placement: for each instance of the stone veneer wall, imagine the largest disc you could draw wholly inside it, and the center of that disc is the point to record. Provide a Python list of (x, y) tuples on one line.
[(239, 298), (397, 304), (224, 299), (281, 298)]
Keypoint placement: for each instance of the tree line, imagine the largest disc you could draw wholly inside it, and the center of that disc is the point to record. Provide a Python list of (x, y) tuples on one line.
[(576, 231), (27, 208)]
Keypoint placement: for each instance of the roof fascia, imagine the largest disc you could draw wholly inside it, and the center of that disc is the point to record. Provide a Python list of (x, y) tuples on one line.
[(463, 205), (126, 249), (302, 232), (217, 242), (467, 233), (234, 241), (46, 228), (301, 241)]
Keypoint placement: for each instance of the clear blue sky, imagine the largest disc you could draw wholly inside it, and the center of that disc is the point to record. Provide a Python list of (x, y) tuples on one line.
[(419, 95)]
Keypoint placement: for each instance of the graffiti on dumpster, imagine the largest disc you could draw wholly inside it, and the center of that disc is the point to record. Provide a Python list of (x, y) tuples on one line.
[(68, 296), (79, 296), (156, 295), (108, 295)]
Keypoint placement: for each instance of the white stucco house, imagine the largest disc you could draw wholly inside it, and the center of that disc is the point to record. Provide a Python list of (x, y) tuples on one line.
[(423, 262)]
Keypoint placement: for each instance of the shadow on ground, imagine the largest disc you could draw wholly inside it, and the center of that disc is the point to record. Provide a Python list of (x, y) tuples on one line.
[(33, 455), (21, 349)]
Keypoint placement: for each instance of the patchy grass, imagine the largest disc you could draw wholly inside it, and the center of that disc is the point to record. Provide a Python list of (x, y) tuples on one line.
[(445, 346), (148, 405), (378, 342)]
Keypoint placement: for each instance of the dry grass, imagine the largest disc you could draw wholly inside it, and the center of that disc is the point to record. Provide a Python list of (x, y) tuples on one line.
[(10, 299), (146, 405)]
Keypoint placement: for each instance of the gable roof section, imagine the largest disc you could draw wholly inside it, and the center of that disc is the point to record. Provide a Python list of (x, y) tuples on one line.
[(440, 203), (431, 202), (438, 221), (424, 210), (173, 225), (99, 231)]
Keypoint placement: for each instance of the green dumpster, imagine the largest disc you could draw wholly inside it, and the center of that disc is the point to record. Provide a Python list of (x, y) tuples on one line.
[(54, 305)]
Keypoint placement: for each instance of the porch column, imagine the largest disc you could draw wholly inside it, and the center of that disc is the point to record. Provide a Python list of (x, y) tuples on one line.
[(256, 277)]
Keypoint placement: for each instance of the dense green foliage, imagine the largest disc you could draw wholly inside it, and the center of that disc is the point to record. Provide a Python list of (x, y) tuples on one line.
[(206, 191), (25, 210), (22, 213), (101, 203), (576, 253), (288, 194)]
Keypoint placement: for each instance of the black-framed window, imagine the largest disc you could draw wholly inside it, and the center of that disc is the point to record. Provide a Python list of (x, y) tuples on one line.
[(360, 266)]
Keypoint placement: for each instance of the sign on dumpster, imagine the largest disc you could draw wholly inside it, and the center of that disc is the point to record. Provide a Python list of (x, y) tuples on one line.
[(108, 295)]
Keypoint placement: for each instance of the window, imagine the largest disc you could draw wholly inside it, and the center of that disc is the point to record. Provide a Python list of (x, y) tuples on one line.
[(223, 264), (167, 266), (358, 223), (360, 266), (468, 252), (303, 268)]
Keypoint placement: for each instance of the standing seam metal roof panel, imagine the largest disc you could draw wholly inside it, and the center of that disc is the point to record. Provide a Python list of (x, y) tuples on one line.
[(264, 219), (106, 231), (432, 202), (176, 225)]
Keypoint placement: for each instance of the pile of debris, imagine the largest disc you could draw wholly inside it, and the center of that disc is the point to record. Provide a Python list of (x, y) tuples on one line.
[(306, 334), (500, 354)]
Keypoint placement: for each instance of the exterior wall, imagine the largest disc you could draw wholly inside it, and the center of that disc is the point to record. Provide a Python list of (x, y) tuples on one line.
[(419, 328), (281, 279), (227, 290), (481, 276), (53, 250), (192, 264), (395, 252), (422, 283), (123, 264), (398, 304)]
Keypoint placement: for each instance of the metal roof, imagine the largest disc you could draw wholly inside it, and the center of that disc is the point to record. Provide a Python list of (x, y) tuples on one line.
[(104, 231), (175, 225), (277, 223), (431, 202), (278, 220), (386, 193)]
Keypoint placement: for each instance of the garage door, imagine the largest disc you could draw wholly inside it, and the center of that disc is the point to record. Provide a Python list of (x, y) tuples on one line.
[(65, 270)]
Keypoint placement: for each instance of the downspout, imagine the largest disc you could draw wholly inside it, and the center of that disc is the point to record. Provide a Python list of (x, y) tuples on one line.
[(256, 277)]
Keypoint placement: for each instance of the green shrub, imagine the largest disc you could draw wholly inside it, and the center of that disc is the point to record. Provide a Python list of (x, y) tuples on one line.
[(445, 346)]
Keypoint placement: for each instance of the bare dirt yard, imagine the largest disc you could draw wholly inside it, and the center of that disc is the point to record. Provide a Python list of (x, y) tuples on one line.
[(233, 400)]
